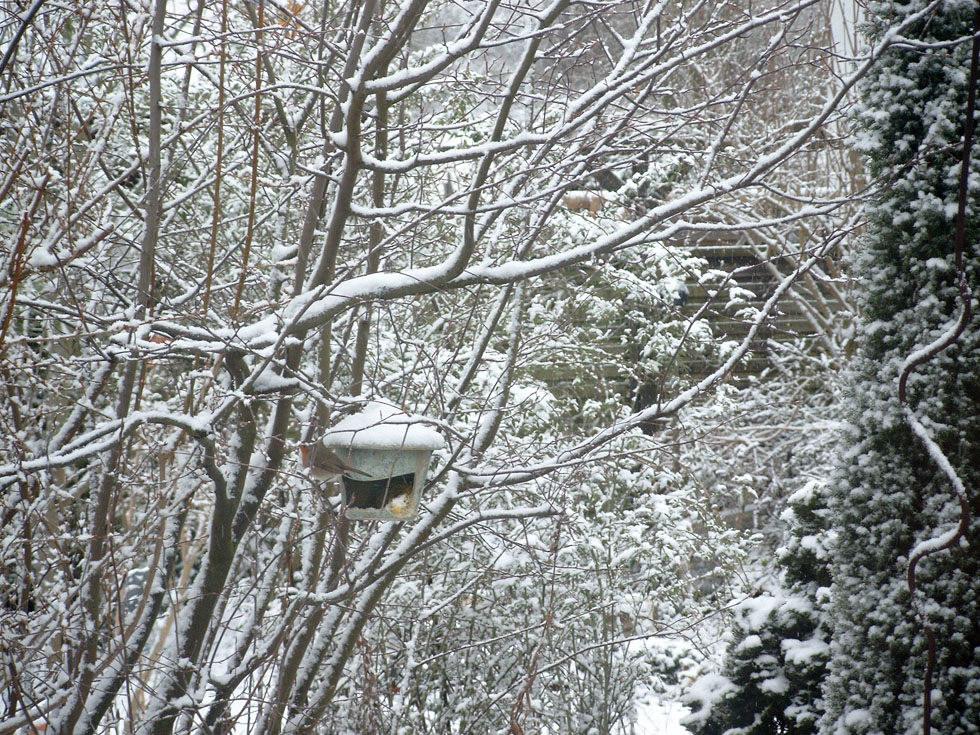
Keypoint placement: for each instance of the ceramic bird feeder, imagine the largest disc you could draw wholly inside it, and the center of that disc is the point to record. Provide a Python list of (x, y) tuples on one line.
[(389, 452)]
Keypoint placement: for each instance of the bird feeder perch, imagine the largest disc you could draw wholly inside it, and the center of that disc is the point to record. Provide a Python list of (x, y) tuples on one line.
[(389, 451)]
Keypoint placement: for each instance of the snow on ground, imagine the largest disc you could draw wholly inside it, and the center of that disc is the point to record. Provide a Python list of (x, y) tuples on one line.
[(656, 717)]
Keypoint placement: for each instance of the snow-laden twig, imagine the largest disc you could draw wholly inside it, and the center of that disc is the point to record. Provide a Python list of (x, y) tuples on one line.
[(579, 453)]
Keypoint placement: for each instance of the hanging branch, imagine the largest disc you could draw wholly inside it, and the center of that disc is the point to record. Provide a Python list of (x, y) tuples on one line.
[(375, 236), (254, 180), (220, 145)]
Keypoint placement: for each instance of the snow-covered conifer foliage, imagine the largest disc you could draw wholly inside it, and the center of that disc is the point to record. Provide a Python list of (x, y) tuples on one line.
[(227, 224), (775, 667), (785, 449), (897, 504)]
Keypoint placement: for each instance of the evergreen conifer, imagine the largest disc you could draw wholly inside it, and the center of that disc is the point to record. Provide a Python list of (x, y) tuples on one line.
[(893, 502), (774, 669)]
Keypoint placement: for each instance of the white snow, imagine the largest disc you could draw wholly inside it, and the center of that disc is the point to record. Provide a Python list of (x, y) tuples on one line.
[(708, 690), (800, 652), (383, 426), (857, 717), (777, 685), (656, 717), (42, 258)]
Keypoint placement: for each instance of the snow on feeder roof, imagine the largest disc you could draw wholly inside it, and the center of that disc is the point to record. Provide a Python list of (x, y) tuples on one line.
[(382, 426), (388, 451)]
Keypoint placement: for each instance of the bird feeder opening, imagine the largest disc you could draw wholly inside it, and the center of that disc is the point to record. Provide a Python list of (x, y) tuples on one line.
[(388, 452)]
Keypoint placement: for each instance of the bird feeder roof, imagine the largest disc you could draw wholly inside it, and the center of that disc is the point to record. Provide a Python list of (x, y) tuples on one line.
[(383, 426)]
